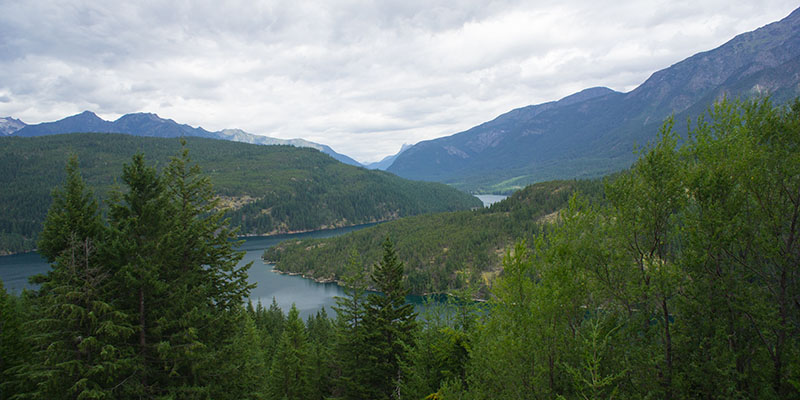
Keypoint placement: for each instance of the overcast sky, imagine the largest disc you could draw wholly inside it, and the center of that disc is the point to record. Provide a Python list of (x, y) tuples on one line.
[(361, 76)]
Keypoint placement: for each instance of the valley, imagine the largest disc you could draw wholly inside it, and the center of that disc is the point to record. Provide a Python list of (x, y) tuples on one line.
[(640, 243)]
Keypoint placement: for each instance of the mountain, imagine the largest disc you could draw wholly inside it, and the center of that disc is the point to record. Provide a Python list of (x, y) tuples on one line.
[(592, 133), (10, 125), (266, 189), (148, 124), (387, 161)]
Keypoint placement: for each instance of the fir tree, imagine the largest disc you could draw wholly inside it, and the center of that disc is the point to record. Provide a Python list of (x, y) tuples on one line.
[(351, 369), (14, 351), (175, 251), (390, 325), (321, 337), (73, 215), (77, 332), (289, 375)]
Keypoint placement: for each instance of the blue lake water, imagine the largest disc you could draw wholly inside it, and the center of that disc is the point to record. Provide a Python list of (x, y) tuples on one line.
[(489, 199), (307, 295)]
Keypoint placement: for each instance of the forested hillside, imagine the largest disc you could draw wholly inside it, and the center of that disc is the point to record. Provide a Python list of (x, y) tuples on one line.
[(442, 251), (682, 283), (265, 189)]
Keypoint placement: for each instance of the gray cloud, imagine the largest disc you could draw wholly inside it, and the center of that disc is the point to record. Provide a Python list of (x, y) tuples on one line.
[(363, 77)]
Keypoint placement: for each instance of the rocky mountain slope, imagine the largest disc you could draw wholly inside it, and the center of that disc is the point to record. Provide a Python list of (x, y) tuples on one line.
[(593, 132)]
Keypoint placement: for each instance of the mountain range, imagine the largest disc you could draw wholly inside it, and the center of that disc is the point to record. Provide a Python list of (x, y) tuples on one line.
[(594, 132), (148, 124), (588, 134), (387, 161)]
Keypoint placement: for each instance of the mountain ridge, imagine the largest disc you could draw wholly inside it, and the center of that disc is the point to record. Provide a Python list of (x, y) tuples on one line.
[(266, 189), (150, 124), (592, 133)]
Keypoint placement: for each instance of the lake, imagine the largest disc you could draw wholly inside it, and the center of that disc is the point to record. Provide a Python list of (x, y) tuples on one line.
[(489, 199), (307, 295)]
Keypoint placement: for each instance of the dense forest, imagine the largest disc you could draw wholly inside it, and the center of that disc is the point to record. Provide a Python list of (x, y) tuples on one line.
[(264, 189), (681, 283), (443, 251)]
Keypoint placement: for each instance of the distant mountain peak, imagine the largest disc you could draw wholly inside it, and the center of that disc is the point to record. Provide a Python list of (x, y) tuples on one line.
[(86, 115), (585, 94), (9, 125), (150, 124), (387, 161)]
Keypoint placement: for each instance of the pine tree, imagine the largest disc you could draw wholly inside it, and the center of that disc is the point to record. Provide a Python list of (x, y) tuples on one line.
[(14, 351), (73, 216), (390, 326), (138, 220), (175, 251), (78, 334), (351, 369), (289, 375), (321, 337)]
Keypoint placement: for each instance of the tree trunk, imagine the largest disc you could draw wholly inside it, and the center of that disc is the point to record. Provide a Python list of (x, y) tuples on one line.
[(667, 352)]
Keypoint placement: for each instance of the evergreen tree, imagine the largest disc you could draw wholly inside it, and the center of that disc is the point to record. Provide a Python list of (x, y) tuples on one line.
[(139, 222), (440, 351), (289, 375), (174, 250), (73, 216), (504, 361), (390, 326), (14, 351), (351, 369), (321, 336), (78, 334)]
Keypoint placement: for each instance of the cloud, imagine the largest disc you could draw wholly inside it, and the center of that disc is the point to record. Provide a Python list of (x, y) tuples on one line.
[(361, 76)]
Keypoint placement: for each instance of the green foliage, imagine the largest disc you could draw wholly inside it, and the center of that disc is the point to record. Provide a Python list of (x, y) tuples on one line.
[(504, 362), (389, 324), (14, 348), (592, 378), (289, 375), (76, 332), (678, 287), (72, 216), (683, 284), (442, 252), (150, 306), (321, 337), (442, 347), (265, 189), (351, 334), (78, 335)]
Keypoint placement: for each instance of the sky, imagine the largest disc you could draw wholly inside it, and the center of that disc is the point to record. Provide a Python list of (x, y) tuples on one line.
[(363, 77)]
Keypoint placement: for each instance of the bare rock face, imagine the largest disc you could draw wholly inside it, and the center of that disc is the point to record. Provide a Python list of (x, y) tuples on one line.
[(10, 125)]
